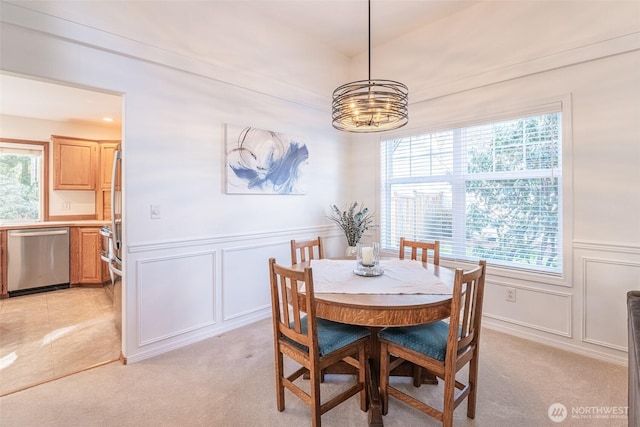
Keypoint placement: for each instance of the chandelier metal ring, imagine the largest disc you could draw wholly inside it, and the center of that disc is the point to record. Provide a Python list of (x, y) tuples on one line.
[(370, 106)]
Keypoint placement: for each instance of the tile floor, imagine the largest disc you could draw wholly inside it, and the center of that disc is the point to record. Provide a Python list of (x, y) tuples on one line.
[(52, 334)]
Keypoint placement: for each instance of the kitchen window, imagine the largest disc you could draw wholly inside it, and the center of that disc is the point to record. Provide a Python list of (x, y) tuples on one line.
[(490, 190), (23, 180)]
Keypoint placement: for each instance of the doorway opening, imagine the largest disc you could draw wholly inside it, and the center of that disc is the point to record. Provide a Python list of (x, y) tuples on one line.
[(48, 335)]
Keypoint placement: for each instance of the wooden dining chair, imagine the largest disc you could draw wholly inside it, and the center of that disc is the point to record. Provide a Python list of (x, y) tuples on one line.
[(313, 343), (307, 250), (442, 348), (424, 248)]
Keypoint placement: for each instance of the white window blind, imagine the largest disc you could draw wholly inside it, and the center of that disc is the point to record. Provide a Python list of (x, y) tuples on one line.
[(490, 191)]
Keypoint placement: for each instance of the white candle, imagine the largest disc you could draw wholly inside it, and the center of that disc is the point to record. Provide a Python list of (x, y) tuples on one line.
[(367, 255)]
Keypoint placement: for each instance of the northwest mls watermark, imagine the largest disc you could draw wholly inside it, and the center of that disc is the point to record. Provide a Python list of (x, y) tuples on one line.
[(558, 412)]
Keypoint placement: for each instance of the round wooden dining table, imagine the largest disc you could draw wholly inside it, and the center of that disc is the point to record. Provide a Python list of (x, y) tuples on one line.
[(377, 311), (382, 310)]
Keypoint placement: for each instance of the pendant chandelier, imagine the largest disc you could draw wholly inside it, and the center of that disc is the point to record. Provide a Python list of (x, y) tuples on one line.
[(370, 105)]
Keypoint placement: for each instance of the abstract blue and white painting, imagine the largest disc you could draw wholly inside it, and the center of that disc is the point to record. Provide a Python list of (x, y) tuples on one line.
[(264, 162)]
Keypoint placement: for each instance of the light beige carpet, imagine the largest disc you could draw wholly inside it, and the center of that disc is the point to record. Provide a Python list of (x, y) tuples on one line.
[(229, 381)]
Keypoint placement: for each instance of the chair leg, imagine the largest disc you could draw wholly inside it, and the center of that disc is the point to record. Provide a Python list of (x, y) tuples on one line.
[(449, 393), (306, 375), (314, 377), (473, 384), (384, 377), (362, 376), (417, 375), (279, 386)]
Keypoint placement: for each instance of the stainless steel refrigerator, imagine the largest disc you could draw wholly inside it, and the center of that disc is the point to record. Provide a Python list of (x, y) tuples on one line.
[(112, 234)]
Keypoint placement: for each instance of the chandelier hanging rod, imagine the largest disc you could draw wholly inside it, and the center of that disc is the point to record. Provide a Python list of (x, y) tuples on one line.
[(370, 106)]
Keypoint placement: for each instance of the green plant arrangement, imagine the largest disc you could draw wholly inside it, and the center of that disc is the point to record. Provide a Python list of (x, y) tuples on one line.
[(354, 221)]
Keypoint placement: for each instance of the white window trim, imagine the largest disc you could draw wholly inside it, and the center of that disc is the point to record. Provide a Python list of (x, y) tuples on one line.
[(41, 149), (563, 103)]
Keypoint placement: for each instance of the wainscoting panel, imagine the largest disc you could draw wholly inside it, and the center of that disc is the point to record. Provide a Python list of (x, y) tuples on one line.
[(175, 295), (245, 277), (539, 309), (606, 283)]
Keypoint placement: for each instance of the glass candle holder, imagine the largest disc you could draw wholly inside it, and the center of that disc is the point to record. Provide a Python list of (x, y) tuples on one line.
[(367, 254)]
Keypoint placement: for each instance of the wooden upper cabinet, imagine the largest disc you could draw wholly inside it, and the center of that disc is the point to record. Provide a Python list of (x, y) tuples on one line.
[(106, 164), (75, 163)]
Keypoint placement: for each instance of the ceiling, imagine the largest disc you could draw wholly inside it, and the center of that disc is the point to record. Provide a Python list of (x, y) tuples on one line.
[(339, 24), (37, 99)]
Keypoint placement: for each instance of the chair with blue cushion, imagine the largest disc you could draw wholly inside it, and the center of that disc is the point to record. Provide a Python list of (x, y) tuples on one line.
[(306, 250), (442, 348), (313, 343), (420, 248)]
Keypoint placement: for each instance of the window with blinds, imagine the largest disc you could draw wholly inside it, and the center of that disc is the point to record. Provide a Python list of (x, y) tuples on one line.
[(490, 191)]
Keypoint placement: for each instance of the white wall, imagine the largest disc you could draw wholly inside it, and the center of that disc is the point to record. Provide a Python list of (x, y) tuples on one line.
[(202, 268), (493, 41), (497, 56), (186, 274)]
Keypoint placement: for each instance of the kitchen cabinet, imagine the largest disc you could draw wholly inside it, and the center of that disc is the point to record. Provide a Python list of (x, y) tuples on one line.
[(106, 163), (87, 268), (85, 164), (103, 205), (75, 163)]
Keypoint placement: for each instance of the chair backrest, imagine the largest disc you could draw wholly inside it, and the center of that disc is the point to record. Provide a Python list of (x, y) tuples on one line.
[(287, 287), (425, 247), (307, 250), (466, 310)]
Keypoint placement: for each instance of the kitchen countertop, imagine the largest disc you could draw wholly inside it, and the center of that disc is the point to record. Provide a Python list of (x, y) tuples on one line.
[(45, 224)]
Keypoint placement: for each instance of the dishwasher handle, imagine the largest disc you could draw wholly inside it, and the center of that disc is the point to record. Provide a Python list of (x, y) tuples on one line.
[(17, 233)]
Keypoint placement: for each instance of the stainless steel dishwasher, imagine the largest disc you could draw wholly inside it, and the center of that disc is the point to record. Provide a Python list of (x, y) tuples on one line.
[(37, 260)]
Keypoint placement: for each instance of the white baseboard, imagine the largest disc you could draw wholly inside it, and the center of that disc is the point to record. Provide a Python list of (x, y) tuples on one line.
[(562, 345), (206, 333)]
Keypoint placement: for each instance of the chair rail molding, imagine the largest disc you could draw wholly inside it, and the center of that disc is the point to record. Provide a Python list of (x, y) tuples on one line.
[(136, 247), (626, 248)]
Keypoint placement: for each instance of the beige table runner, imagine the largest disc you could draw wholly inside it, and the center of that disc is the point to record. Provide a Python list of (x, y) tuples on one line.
[(400, 277)]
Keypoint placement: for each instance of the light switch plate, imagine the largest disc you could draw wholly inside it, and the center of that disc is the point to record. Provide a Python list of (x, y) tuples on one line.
[(155, 211)]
